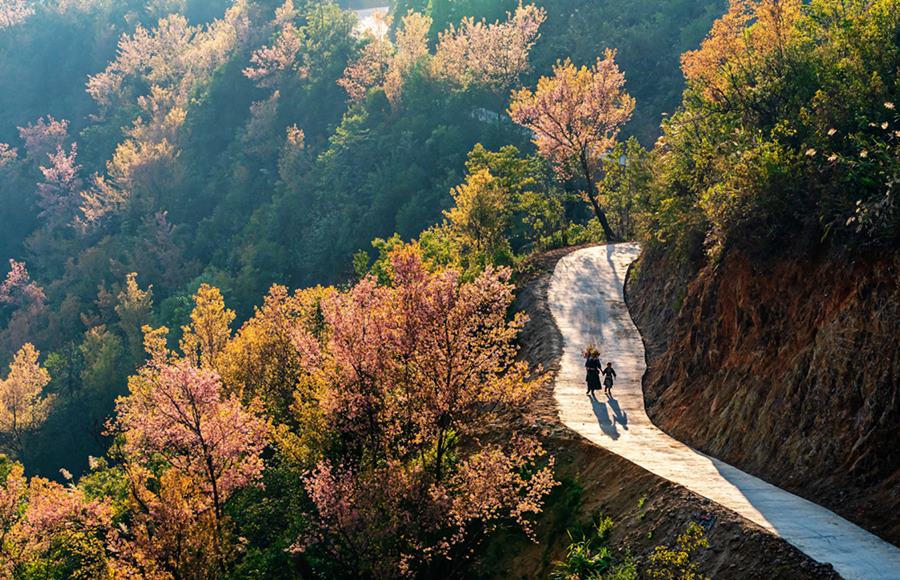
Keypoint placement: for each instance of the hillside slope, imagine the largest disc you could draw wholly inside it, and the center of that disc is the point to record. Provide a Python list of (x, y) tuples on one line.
[(648, 510), (799, 387)]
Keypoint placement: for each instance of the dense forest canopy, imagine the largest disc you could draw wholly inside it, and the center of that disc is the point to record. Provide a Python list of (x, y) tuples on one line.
[(170, 171), (243, 145)]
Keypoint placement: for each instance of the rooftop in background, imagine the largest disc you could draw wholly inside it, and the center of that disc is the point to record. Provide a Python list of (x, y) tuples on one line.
[(373, 21)]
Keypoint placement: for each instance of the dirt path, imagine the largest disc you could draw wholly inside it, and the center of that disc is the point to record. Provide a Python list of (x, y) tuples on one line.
[(587, 303)]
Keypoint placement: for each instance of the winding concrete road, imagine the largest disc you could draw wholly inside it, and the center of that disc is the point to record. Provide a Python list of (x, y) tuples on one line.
[(587, 301)]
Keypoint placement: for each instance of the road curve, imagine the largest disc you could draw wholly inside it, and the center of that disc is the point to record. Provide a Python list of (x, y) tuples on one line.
[(587, 302)]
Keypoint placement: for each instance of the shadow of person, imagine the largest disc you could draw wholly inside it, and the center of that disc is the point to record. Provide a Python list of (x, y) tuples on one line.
[(619, 416), (606, 425)]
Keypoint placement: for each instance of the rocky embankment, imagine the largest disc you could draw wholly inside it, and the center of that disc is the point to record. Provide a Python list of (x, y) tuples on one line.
[(786, 368)]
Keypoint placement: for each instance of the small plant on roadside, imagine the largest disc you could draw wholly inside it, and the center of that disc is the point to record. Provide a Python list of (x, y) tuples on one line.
[(677, 563), (591, 558)]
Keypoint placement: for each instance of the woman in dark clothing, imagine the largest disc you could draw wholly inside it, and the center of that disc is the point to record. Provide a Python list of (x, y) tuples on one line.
[(610, 373), (592, 364)]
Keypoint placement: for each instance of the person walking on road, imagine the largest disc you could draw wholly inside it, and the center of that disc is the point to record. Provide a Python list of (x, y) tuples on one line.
[(592, 365), (610, 373)]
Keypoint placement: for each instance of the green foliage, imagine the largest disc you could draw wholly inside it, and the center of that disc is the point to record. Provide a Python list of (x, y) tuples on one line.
[(107, 482), (590, 558), (76, 555), (626, 175), (785, 133), (677, 563)]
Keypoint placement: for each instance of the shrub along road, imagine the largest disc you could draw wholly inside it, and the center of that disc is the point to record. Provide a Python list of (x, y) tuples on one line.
[(586, 297)]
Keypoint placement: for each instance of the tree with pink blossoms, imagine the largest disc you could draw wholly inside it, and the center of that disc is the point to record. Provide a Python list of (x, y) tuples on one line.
[(575, 117), (43, 138), (488, 56), (59, 194), (180, 413), (22, 307), (269, 64), (208, 443), (14, 12), (18, 289), (387, 65), (368, 70), (412, 373), (51, 530), (8, 155)]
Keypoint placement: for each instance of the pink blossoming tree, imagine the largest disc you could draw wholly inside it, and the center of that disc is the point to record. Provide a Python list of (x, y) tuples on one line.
[(413, 372), (575, 117)]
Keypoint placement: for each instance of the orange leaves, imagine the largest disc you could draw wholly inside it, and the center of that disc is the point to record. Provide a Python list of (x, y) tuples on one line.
[(749, 34)]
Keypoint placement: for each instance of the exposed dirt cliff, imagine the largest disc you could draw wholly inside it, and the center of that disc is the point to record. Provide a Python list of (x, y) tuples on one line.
[(648, 511), (788, 369)]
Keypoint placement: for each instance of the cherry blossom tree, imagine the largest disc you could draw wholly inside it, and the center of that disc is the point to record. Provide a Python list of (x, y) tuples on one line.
[(18, 289), (59, 194), (188, 448), (13, 494), (43, 138), (386, 64), (14, 12), (157, 70), (174, 56), (23, 405), (413, 372), (575, 117), (8, 155), (368, 70), (411, 48), (179, 412), (490, 56), (270, 63), (25, 304)]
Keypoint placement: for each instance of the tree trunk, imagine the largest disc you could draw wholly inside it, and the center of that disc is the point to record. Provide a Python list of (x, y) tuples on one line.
[(611, 236)]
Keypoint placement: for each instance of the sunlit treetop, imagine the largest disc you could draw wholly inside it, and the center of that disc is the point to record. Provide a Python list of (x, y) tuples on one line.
[(490, 56), (576, 114), (14, 12)]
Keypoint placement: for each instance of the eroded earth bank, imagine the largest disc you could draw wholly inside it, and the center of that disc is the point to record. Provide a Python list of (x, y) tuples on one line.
[(785, 367)]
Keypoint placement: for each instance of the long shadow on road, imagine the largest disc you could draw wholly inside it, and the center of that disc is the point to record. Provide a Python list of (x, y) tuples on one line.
[(606, 425), (619, 416)]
